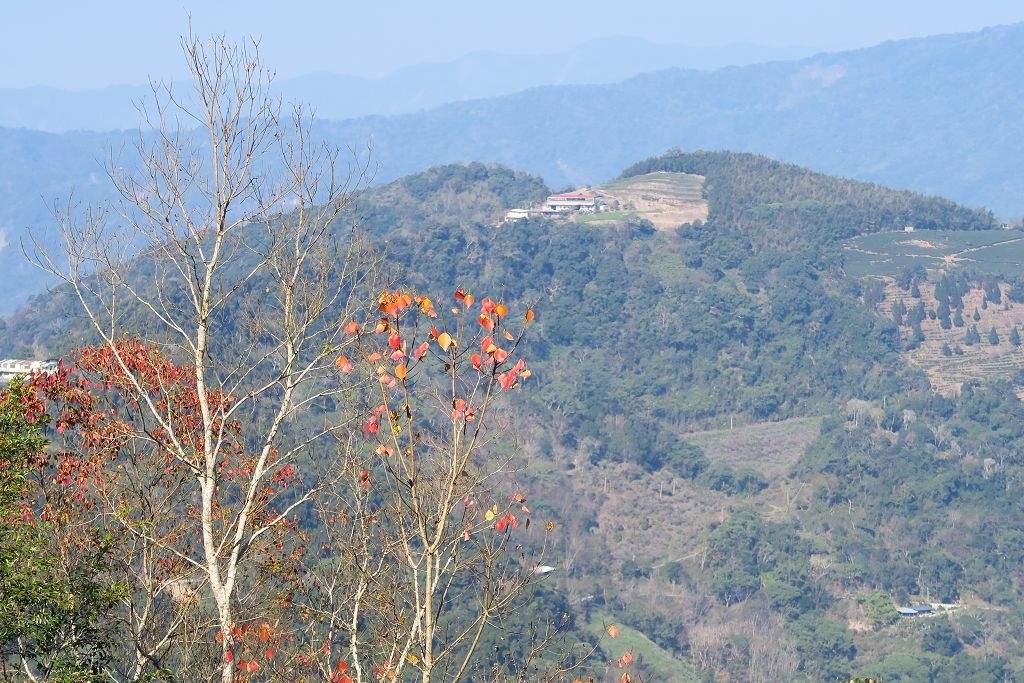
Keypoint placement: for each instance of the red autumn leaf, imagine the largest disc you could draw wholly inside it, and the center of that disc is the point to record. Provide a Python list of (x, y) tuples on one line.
[(487, 305), (500, 355), (341, 667), (344, 364), (229, 656), (270, 653), (506, 380), (371, 426), (420, 351), (508, 520), (613, 630), (626, 659), (487, 345), (395, 341), (476, 360), (460, 294), (486, 322), (252, 666), (434, 333)]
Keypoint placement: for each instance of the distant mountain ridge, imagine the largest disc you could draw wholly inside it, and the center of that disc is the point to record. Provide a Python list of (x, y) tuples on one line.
[(936, 115), (408, 89)]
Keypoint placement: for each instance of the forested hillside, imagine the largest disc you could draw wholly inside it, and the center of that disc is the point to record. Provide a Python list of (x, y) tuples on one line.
[(663, 361)]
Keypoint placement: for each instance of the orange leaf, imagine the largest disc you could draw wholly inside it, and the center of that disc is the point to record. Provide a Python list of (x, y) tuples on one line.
[(626, 659), (468, 301), (476, 360), (508, 335), (270, 653), (613, 630), (501, 310), (344, 364), (486, 322), (352, 328), (487, 305), (341, 667), (400, 371), (420, 351), (530, 315), (445, 340)]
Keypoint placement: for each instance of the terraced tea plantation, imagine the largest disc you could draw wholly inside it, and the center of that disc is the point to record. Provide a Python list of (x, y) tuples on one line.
[(665, 199), (993, 252), (979, 361)]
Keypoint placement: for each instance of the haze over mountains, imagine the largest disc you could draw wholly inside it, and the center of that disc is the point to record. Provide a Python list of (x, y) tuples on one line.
[(409, 89), (938, 115)]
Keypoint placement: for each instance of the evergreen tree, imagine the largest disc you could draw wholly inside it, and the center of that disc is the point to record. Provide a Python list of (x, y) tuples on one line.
[(993, 337), (943, 315), (976, 316), (946, 351), (915, 291), (972, 337), (899, 309), (1015, 336), (958, 319)]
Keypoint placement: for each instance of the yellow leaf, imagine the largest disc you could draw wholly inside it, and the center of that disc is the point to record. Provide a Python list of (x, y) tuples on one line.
[(412, 659), (445, 340), (508, 335), (400, 371), (488, 515)]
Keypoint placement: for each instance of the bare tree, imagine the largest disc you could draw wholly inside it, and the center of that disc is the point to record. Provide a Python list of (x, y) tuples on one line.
[(226, 312), (220, 254)]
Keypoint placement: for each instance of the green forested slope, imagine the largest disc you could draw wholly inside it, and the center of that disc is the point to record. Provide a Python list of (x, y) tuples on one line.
[(643, 336)]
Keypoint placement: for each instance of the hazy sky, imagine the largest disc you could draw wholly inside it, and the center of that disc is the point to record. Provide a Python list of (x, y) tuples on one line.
[(79, 44)]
